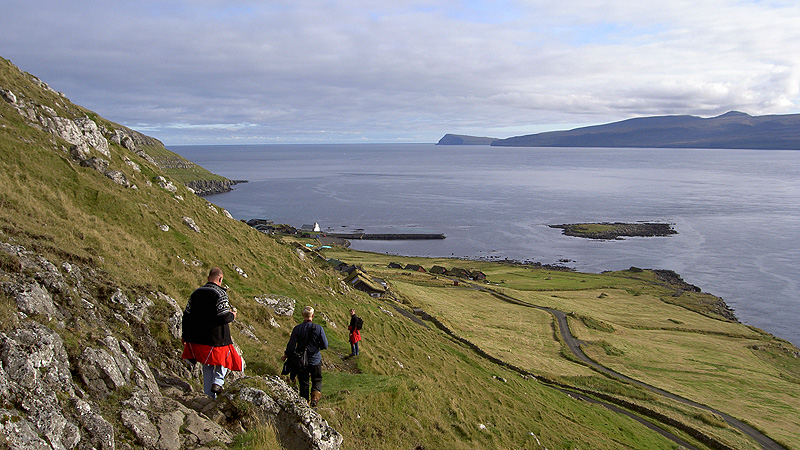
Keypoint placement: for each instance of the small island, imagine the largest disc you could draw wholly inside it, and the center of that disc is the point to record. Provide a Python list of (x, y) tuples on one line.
[(616, 230)]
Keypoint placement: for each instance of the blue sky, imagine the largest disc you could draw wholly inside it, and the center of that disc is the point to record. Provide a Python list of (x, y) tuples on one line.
[(226, 72)]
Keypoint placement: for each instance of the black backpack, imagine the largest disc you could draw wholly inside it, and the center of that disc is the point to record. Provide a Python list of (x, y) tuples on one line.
[(359, 323)]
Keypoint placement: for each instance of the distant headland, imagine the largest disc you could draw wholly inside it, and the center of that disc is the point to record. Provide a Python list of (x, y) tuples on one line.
[(732, 130)]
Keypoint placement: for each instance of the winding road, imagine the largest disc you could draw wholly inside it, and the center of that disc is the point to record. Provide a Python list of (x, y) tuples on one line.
[(574, 346)]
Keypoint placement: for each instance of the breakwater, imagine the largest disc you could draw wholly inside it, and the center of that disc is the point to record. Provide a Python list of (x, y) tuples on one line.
[(387, 236)]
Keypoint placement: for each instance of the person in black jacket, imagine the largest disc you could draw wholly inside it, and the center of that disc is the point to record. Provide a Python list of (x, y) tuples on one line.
[(206, 334), (310, 336)]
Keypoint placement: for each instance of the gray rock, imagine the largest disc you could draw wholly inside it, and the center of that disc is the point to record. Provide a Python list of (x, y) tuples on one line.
[(299, 426), (169, 426), (8, 96), (98, 164), (33, 357), (99, 372), (118, 177), (190, 223), (100, 433), (137, 309), (34, 368), (204, 432), (92, 135), (32, 299), (163, 183), (141, 375), (19, 434), (281, 305), (175, 317), (137, 421), (133, 165)]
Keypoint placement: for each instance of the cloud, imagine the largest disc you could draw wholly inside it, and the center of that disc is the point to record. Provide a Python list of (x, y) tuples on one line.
[(309, 71)]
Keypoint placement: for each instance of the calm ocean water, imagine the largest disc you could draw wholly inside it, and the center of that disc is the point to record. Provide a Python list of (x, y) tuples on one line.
[(737, 212)]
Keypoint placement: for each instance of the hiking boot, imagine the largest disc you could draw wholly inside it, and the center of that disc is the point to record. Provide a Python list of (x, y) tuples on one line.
[(315, 396), (216, 389)]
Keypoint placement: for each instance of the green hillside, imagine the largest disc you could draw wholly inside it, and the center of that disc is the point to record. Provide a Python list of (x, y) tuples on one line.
[(488, 370)]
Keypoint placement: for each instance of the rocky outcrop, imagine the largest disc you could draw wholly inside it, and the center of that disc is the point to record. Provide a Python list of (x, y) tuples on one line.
[(91, 139), (208, 187), (57, 382), (299, 426)]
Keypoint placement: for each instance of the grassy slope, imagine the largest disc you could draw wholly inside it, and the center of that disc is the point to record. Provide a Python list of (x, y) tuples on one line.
[(412, 385), (628, 322)]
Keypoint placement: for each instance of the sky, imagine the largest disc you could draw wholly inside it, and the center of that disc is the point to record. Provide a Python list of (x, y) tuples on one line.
[(242, 72)]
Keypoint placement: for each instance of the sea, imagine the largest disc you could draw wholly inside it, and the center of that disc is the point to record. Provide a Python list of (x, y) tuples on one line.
[(736, 212)]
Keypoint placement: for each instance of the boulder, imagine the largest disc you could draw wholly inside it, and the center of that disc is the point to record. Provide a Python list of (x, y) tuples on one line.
[(118, 177), (190, 223)]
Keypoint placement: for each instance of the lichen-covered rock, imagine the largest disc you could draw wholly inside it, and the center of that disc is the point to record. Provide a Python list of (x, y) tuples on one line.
[(281, 305), (98, 164), (99, 372), (201, 431), (165, 184), (99, 433), (118, 177), (32, 299), (176, 316), (299, 426), (136, 309), (137, 421), (33, 367), (190, 223)]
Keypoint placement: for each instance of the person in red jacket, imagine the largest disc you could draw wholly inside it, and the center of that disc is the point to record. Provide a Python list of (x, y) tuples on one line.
[(355, 332), (206, 334)]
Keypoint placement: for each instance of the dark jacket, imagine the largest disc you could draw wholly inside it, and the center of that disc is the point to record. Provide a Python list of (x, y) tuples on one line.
[(316, 341), (206, 317)]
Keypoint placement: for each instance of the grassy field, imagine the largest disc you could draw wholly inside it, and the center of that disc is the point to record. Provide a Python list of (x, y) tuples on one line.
[(625, 324)]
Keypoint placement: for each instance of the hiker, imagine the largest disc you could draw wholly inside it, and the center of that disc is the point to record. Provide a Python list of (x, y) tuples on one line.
[(311, 338), (355, 332), (206, 335)]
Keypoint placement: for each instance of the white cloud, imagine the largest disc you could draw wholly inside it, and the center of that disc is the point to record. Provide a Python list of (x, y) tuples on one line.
[(340, 71)]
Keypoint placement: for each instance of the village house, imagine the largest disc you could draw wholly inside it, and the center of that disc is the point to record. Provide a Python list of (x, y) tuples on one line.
[(363, 282), (394, 265), (477, 275), (311, 228), (438, 270), (415, 268), (458, 272)]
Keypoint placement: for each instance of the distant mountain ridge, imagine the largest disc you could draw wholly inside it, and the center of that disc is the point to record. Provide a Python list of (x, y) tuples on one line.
[(735, 130)]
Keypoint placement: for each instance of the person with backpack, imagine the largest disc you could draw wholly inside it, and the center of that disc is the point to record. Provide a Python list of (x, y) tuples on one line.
[(306, 341), (355, 332)]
